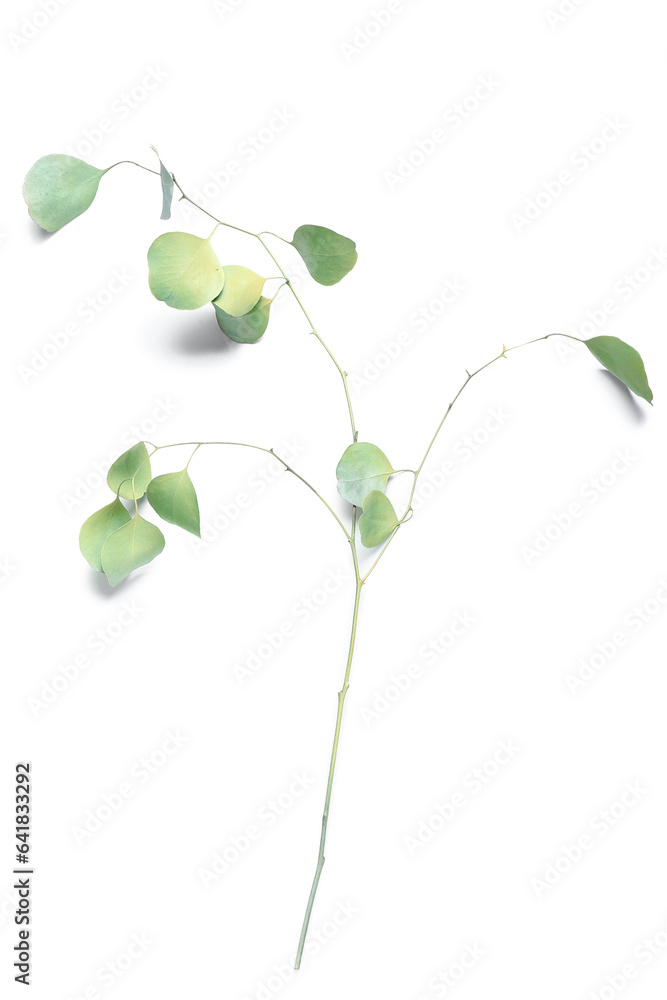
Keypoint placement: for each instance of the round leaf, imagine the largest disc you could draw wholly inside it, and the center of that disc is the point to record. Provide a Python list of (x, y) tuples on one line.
[(327, 255), (363, 467), (95, 531), (246, 329), (241, 290), (133, 463), (183, 270), (57, 188), (173, 497), (129, 547), (622, 361), (378, 519)]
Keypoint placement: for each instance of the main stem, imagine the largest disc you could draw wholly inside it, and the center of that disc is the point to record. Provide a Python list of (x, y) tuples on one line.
[(351, 539), (332, 768)]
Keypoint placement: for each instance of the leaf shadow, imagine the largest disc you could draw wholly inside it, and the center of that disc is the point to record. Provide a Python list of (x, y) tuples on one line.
[(632, 405), (39, 235), (201, 336), (100, 586)]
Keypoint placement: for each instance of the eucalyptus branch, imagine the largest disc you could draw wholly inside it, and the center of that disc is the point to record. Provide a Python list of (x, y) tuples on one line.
[(134, 164), (258, 236), (185, 273), (343, 374), (469, 378), (221, 222), (269, 451), (297, 299)]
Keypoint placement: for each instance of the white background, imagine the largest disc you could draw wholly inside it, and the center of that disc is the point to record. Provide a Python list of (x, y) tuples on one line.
[(356, 100)]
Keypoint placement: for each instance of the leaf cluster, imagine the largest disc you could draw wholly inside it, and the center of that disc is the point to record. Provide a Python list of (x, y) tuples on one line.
[(116, 542), (183, 269)]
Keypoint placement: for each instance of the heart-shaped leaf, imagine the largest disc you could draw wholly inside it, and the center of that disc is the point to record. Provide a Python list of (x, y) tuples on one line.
[(327, 255), (129, 547), (378, 519), (241, 290), (97, 528), (622, 361), (167, 187), (132, 464), (57, 188), (173, 497), (245, 329), (363, 467), (183, 270)]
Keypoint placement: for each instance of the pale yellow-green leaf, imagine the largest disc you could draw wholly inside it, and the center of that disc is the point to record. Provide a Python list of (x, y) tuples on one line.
[(183, 270), (241, 290)]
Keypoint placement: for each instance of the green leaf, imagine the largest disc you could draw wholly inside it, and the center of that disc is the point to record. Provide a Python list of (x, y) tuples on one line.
[(129, 547), (241, 290), (95, 531), (622, 361), (327, 255), (173, 497), (362, 468), (183, 270), (57, 188), (245, 329), (132, 463), (378, 519), (167, 187)]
